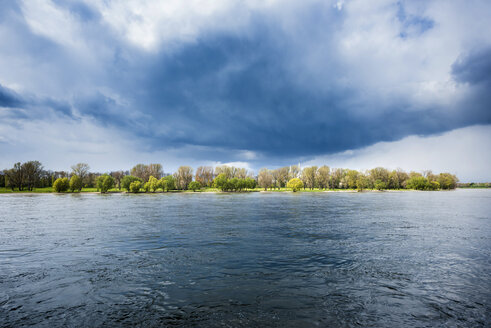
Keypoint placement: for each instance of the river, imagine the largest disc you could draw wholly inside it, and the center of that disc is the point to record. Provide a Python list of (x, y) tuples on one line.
[(386, 259)]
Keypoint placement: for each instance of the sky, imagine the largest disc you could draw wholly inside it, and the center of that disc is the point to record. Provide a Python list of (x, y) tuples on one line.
[(251, 83)]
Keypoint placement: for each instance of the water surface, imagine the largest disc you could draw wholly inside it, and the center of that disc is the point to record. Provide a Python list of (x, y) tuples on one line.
[(391, 259)]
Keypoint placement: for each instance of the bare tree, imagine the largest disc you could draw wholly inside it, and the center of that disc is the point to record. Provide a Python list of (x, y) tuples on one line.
[(308, 176), (294, 172), (283, 174), (82, 170), (265, 179), (15, 177), (183, 176), (323, 176), (155, 170), (140, 171), (204, 175), (117, 176)]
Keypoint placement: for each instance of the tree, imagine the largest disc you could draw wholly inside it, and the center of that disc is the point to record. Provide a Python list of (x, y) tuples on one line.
[(295, 184), (240, 173), (336, 176), (167, 183), (135, 186), (351, 178), (183, 176), (15, 176), (417, 183), (275, 174), (118, 176), (153, 184), (194, 185), (75, 183), (323, 177), (308, 176), (265, 179), (294, 172), (220, 181), (61, 185), (361, 182), (282, 176), (146, 186), (105, 182), (447, 181), (155, 170), (82, 170), (229, 171), (204, 175), (380, 185), (32, 173), (380, 174), (127, 180), (140, 171), (2, 179), (250, 183)]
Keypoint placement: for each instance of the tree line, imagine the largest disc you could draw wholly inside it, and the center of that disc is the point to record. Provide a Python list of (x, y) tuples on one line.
[(151, 178)]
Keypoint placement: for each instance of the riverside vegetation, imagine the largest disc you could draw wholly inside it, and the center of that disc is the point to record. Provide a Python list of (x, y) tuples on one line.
[(31, 177)]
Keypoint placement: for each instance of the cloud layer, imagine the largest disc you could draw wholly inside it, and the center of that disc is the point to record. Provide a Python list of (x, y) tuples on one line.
[(265, 82)]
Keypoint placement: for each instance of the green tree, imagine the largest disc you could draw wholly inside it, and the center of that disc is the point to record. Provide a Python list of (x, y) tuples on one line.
[(127, 180), (351, 178), (194, 185), (220, 181), (295, 184), (32, 173), (15, 176), (380, 185), (447, 181), (250, 183), (135, 186), (170, 183), (417, 183), (75, 183), (61, 185), (153, 183), (105, 182), (362, 182), (147, 186)]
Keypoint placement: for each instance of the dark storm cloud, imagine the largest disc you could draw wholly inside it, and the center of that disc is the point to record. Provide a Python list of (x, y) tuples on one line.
[(473, 67), (9, 98), (29, 107), (239, 92)]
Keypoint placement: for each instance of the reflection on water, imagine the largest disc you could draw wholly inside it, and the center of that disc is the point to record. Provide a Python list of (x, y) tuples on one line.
[(364, 259)]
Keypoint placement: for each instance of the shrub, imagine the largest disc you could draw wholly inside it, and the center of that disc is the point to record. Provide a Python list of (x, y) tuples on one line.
[(135, 186), (153, 184), (127, 180), (295, 184), (194, 185), (380, 185), (417, 183), (105, 182), (75, 183), (61, 185)]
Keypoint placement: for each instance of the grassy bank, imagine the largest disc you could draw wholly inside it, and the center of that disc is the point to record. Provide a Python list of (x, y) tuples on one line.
[(203, 190)]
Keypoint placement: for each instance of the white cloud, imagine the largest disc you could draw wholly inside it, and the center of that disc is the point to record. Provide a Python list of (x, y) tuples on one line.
[(463, 152)]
